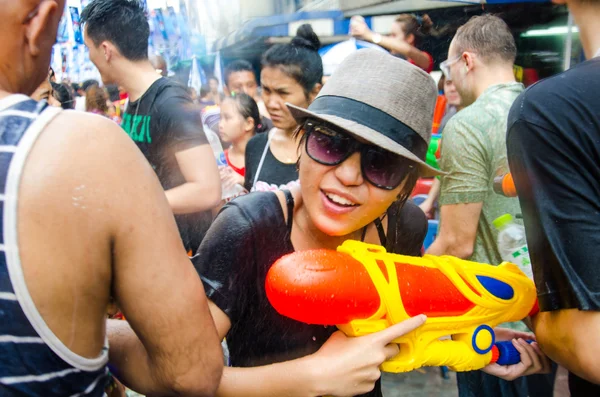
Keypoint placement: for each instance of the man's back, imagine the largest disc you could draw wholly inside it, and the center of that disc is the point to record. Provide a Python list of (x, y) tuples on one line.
[(48, 336), (85, 219), (474, 152), (554, 148)]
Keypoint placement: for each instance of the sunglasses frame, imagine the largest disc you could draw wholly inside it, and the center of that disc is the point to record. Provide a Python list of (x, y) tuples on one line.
[(355, 146)]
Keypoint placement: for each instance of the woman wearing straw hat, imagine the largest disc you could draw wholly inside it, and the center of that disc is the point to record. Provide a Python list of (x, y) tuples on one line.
[(361, 152)]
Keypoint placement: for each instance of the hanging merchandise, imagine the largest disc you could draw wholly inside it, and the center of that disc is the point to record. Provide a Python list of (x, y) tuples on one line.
[(76, 22)]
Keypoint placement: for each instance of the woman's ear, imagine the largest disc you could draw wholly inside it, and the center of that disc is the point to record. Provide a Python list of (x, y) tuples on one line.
[(410, 39), (315, 91)]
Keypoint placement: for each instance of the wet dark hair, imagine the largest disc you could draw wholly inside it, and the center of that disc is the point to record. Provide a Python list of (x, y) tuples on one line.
[(62, 94), (122, 22), (299, 59), (410, 181), (247, 107), (241, 65), (418, 26)]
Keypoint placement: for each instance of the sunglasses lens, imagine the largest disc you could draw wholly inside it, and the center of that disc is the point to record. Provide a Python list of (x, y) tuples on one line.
[(327, 146), (385, 169)]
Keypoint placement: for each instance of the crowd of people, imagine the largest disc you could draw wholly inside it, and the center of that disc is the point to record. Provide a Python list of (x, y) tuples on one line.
[(114, 200)]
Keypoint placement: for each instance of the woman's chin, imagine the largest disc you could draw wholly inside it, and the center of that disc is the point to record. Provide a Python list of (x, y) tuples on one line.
[(334, 229)]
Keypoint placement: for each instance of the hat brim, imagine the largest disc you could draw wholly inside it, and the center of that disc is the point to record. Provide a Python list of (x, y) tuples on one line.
[(366, 133)]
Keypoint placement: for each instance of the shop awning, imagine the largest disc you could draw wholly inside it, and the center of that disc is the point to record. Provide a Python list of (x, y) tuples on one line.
[(325, 24)]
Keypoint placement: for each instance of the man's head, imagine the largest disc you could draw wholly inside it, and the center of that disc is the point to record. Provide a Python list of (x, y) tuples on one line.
[(482, 47), (28, 31), (240, 78), (213, 83), (116, 33)]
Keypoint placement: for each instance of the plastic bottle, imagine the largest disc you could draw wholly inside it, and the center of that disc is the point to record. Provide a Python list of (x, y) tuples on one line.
[(228, 192), (512, 243), (505, 185)]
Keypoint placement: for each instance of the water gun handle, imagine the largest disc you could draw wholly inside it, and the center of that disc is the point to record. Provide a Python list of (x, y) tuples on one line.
[(456, 355), (507, 353)]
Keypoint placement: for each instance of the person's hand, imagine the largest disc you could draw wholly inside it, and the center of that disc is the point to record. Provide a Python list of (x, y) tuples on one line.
[(229, 177), (533, 360), (360, 29), (115, 389), (346, 366), (426, 206)]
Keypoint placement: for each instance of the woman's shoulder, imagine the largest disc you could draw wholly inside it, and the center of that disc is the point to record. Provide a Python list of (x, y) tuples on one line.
[(259, 139), (255, 207), (407, 228)]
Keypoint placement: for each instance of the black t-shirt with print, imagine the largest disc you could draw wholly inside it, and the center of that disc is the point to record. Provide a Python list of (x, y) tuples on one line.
[(273, 172), (163, 122), (247, 237)]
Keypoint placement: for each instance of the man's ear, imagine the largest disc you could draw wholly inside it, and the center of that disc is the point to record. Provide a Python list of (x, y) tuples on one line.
[(469, 60), (109, 50), (42, 26)]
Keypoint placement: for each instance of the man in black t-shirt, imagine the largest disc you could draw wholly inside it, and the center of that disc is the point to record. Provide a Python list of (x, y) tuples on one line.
[(160, 117), (553, 145)]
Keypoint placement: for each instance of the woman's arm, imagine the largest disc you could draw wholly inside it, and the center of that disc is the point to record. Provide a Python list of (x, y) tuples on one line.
[(343, 366), (420, 58)]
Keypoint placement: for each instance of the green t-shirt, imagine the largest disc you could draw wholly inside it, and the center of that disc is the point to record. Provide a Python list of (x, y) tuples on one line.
[(473, 154)]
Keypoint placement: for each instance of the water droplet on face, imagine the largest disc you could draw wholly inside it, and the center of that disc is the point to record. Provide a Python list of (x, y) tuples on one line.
[(314, 338)]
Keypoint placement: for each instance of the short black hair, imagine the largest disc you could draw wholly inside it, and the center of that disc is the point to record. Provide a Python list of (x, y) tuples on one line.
[(299, 59), (76, 87), (62, 94), (113, 92), (122, 22), (88, 83), (241, 65)]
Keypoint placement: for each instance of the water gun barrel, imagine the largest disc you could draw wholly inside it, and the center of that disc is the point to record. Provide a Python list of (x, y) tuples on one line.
[(330, 288)]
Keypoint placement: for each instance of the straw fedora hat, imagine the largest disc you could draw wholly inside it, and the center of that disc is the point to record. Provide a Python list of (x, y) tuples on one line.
[(382, 99)]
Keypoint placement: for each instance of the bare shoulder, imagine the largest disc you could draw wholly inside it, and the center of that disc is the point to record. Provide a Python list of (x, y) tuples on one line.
[(84, 162)]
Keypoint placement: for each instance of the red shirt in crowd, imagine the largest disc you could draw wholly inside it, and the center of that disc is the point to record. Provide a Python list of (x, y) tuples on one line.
[(241, 171)]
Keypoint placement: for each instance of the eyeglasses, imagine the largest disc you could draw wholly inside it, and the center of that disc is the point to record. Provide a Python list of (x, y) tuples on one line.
[(445, 66), (381, 168)]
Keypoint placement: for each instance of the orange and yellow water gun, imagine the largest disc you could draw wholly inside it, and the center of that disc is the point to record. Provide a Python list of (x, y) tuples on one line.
[(363, 289)]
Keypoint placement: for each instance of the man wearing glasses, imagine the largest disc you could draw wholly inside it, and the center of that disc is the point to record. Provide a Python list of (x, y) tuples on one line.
[(480, 63)]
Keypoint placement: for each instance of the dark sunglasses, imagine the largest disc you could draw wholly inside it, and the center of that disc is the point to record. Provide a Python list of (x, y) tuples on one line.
[(329, 146)]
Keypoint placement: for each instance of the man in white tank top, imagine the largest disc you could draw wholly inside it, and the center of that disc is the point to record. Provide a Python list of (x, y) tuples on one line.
[(86, 220)]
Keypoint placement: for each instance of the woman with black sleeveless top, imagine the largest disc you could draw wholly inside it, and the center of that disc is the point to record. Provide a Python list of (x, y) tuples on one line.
[(291, 73), (361, 152)]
